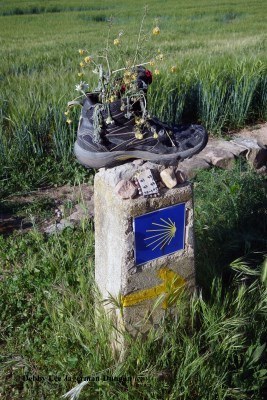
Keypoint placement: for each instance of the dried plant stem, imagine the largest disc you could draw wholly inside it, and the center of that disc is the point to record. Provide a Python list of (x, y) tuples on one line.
[(139, 35), (133, 66), (107, 47)]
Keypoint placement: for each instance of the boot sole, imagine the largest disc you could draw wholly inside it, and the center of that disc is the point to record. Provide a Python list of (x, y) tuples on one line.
[(109, 159)]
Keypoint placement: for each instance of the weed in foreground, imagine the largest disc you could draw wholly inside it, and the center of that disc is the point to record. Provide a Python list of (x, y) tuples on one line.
[(214, 349)]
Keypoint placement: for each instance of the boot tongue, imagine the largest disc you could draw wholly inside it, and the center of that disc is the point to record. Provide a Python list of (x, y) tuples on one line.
[(90, 100)]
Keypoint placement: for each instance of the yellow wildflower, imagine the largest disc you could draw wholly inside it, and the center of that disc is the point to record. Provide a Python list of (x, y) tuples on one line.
[(159, 57), (173, 68), (112, 98), (139, 135), (127, 77), (155, 136), (139, 121), (156, 30), (82, 64), (88, 59), (156, 72), (69, 121), (81, 52), (116, 41), (152, 62), (80, 74), (67, 112)]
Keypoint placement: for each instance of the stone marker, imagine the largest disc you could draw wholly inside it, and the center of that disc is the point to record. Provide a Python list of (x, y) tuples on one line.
[(144, 248)]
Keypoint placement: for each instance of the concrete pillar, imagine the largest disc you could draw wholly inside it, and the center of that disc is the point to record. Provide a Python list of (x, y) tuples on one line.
[(144, 247)]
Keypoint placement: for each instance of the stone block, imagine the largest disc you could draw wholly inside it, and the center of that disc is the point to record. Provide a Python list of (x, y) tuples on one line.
[(255, 154), (258, 133), (192, 166), (226, 146), (218, 157), (118, 272)]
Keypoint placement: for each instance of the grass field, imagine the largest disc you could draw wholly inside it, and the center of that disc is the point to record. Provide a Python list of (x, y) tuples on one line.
[(215, 349), (219, 50)]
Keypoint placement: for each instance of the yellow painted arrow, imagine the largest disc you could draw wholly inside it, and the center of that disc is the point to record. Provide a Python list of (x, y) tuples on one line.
[(172, 282)]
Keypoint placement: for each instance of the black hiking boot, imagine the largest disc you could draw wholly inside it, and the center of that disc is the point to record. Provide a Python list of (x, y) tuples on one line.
[(114, 132)]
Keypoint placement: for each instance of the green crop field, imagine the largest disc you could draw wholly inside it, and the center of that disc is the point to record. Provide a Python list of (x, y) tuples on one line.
[(219, 50), (215, 349)]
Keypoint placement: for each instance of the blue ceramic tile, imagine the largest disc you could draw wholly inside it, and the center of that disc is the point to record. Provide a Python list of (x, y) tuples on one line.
[(159, 233)]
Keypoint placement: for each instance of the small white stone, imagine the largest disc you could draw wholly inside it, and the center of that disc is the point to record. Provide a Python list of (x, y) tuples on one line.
[(168, 177), (138, 163), (126, 189)]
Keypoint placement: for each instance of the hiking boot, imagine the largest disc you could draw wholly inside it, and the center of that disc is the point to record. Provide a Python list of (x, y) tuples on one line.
[(110, 134), (115, 131)]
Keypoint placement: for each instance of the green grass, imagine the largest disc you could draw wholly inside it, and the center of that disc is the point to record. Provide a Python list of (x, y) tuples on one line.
[(214, 349), (219, 49)]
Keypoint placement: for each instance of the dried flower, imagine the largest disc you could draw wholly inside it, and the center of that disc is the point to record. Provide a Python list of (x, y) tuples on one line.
[(109, 121), (156, 30), (128, 114), (116, 41), (139, 135), (173, 69), (127, 77), (81, 52), (81, 87), (88, 59), (159, 57), (139, 121)]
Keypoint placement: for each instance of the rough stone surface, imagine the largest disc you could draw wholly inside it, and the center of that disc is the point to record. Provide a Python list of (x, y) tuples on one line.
[(58, 227), (192, 166), (218, 157), (233, 148), (115, 269), (127, 171), (168, 177), (180, 176), (259, 133), (82, 211), (138, 163), (255, 154), (126, 189), (246, 143)]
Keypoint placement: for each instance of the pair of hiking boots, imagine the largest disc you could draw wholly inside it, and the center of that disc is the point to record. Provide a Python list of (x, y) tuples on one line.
[(112, 132)]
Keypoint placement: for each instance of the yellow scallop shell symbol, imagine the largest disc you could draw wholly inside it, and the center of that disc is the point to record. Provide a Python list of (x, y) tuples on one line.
[(162, 234)]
